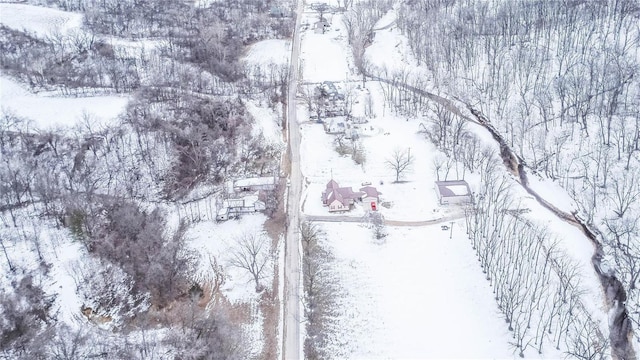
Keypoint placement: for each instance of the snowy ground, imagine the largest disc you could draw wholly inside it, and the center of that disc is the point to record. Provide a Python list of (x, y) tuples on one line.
[(39, 21), (324, 55), (215, 241), (272, 51), (58, 251), (267, 122), (55, 111), (418, 295)]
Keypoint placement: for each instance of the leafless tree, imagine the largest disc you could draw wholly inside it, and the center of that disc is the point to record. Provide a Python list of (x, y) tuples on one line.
[(400, 163), (626, 191), (252, 252)]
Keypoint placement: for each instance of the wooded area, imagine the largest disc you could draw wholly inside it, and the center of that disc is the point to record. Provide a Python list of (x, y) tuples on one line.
[(114, 187)]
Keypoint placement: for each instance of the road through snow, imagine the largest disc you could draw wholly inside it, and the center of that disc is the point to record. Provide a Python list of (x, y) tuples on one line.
[(292, 297)]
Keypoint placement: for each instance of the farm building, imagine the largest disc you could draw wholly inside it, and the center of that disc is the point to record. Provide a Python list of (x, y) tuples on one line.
[(255, 184), (371, 198), (453, 192), (233, 207)]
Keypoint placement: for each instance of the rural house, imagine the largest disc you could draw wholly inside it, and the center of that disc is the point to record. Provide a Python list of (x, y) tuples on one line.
[(339, 198), (453, 192)]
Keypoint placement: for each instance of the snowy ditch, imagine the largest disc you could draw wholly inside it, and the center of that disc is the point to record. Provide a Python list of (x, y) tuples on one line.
[(613, 289)]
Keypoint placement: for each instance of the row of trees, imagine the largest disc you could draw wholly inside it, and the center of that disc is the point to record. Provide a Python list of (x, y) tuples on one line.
[(73, 63), (536, 286), (321, 292)]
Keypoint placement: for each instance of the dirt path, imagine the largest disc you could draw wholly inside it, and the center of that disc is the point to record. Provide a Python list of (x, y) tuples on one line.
[(361, 219)]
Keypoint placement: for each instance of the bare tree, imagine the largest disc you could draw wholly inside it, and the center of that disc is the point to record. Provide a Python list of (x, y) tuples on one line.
[(252, 252), (625, 193), (400, 162)]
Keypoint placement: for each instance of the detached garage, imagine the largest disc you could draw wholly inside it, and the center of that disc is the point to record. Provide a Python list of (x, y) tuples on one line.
[(453, 192)]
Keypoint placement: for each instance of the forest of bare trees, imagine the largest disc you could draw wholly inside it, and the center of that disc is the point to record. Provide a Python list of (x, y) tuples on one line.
[(111, 188)]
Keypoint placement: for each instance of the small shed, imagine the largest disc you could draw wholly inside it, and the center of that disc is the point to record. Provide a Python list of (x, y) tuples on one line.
[(453, 192), (322, 26)]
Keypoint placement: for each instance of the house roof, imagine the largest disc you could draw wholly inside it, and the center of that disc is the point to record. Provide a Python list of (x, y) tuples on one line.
[(342, 194), (332, 184), (370, 191), (267, 180), (453, 188)]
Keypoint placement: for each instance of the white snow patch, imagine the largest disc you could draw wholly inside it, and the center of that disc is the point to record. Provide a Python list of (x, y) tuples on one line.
[(458, 189), (54, 111), (272, 51), (217, 240), (38, 20), (267, 121), (552, 192)]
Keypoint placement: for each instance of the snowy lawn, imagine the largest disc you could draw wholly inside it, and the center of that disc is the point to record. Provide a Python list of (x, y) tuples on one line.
[(52, 112), (325, 56), (418, 295), (213, 239), (272, 51)]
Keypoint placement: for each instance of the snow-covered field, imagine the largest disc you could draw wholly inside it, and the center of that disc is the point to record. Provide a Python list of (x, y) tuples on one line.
[(38, 20), (324, 56), (54, 111), (50, 110), (272, 51), (418, 295)]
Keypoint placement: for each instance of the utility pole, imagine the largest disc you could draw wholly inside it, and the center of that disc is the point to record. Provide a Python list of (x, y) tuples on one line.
[(451, 233)]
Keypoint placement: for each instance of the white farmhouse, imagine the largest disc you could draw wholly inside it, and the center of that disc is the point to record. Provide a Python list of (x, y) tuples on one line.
[(453, 192)]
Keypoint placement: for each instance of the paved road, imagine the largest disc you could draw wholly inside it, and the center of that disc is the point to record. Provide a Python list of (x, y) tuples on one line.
[(291, 348)]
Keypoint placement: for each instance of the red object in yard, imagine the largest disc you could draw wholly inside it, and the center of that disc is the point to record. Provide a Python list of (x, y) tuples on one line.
[(373, 206)]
